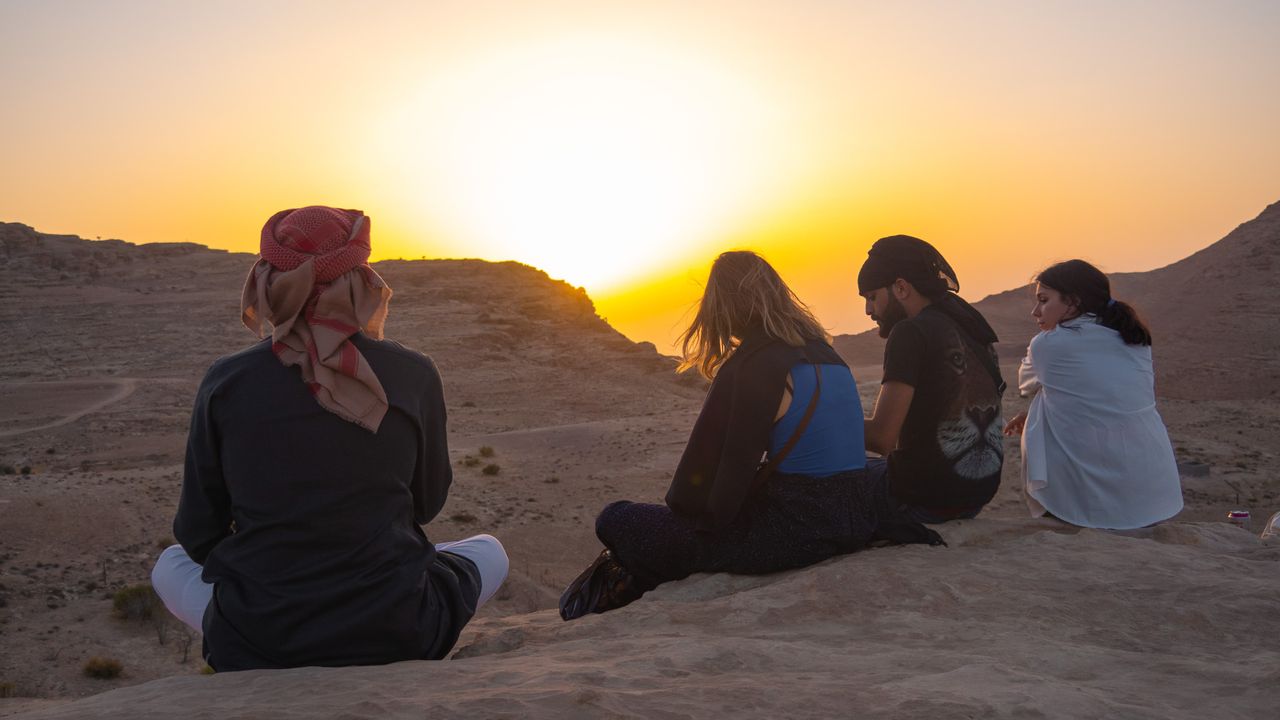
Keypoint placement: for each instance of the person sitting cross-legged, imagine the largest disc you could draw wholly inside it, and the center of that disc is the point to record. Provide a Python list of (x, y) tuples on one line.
[(312, 460)]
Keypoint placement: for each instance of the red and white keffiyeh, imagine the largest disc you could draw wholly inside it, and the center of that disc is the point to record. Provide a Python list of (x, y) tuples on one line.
[(314, 285)]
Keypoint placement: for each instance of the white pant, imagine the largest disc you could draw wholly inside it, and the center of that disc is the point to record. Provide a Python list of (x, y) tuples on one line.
[(176, 577)]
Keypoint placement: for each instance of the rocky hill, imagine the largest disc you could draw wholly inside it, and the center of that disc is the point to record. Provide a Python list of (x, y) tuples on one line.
[(1217, 332), (552, 413), (72, 308)]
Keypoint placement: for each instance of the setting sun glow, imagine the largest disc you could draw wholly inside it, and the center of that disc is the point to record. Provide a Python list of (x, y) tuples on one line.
[(594, 158), (621, 146)]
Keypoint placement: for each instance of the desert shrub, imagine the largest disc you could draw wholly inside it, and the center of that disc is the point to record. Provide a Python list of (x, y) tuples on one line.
[(491, 469), (26, 470), (135, 602), (552, 480), (486, 451), (103, 668), (8, 690), (470, 461), (7, 470), (468, 404), (463, 517), (184, 642)]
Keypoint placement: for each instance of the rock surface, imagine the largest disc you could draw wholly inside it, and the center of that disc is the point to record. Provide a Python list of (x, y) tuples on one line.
[(1014, 619)]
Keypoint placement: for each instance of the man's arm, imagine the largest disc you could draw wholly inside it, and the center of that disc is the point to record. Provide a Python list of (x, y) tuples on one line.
[(882, 429), (434, 474), (904, 354), (204, 508)]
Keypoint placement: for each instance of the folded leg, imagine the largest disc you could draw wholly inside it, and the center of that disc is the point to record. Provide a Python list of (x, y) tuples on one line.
[(176, 579), (490, 559)]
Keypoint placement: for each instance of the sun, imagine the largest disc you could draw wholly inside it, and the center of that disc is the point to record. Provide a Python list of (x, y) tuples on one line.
[(595, 158)]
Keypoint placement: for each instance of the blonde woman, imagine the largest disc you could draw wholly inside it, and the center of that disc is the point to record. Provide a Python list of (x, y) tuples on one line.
[(778, 391)]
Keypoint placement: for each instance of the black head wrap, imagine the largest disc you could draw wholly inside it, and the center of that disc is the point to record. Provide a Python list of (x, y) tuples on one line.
[(919, 263), (909, 258)]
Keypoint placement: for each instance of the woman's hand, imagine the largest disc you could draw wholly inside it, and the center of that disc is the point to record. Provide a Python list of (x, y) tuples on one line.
[(1014, 426)]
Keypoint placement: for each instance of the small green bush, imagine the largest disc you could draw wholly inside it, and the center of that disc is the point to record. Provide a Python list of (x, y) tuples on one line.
[(26, 470), (470, 461), (135, 602), (7, 470), (486, 451), (8, 690), (491, 469), (103, 668)]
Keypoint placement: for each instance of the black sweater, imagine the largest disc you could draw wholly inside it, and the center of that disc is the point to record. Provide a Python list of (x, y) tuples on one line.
[(308, 525), (731, 435)]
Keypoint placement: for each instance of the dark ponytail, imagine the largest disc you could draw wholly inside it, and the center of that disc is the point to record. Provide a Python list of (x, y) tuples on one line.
[(1088, 288), (1121, 317)]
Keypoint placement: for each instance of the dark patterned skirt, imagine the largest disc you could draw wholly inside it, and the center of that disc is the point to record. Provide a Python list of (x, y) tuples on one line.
[(794, 521)]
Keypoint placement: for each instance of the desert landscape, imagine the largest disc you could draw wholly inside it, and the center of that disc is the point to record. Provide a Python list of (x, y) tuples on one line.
[(553, 413)]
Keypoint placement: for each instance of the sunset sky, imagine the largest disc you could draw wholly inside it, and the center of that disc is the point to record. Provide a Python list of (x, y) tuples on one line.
[(621, 146)]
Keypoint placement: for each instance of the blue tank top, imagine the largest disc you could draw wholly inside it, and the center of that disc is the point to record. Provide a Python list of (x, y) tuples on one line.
[(833, 442)]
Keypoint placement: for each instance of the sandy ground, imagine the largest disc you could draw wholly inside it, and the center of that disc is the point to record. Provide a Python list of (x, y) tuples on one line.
[(99, 359)]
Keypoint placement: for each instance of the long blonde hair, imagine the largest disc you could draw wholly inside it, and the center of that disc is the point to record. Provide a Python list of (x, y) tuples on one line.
[(744, 292)]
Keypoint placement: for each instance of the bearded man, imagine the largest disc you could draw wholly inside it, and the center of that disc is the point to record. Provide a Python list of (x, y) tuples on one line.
[(937, 420)]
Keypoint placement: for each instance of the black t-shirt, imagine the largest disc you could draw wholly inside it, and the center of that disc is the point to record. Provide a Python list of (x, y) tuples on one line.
[(950, 449)]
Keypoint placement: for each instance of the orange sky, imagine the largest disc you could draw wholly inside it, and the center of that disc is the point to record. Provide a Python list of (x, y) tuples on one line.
[(621, 148)]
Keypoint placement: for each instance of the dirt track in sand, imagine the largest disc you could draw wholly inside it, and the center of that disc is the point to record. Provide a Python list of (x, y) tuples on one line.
[(67, 400)]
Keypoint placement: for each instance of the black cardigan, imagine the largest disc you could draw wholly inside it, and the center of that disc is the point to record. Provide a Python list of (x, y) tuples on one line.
[(729, 439), (308, 525)]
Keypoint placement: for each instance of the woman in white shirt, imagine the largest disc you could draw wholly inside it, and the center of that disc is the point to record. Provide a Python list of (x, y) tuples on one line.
[(1095, 452)]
